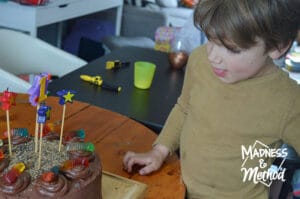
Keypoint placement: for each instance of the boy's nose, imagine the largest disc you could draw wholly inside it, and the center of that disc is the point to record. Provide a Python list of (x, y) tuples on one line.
[(212, 52)]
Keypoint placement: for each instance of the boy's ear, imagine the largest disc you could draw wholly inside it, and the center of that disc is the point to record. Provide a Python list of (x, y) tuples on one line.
[(277, 53)]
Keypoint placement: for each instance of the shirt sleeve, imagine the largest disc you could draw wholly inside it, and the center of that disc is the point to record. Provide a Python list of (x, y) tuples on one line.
[(171, 131), (291, 131)]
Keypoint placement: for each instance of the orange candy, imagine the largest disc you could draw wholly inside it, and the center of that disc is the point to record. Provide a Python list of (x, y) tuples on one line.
[(70, 164), (49, 176)]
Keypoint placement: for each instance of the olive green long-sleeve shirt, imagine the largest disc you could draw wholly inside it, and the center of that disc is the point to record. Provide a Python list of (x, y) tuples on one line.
[(212, 120)]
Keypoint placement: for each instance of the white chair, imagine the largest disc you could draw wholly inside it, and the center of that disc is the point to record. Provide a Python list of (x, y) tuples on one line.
[(23, 54), (12, 83)]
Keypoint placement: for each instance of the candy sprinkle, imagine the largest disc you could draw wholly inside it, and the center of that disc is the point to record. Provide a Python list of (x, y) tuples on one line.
[(50, 157)]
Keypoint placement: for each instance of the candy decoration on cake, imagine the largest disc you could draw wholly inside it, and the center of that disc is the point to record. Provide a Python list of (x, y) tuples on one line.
[(51, 184), (81, 146), (2, 156), (15, 179), (8, 100), (23, 132), (77, 136), (81, 149), (37, 94), (48, 131), (76, 169), (4, 161), (12, 175), (49, 127), (50, 176), (64, 97), (18, 135), (70, 164), (42, 117), (73, 178)]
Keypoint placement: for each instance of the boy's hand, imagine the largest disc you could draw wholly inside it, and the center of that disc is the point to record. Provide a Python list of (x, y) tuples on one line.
[(151, 160)]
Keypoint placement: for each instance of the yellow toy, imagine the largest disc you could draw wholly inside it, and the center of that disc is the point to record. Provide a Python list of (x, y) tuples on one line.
[(97, 80), (116, 64)]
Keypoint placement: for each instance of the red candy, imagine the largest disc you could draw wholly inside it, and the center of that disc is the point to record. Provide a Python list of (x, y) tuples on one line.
[(49, 127), (49, 176), (74, 134), (12, 175), (2, 156)]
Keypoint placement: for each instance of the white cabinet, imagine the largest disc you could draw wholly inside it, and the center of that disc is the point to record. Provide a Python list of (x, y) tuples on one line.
[(29, 18)]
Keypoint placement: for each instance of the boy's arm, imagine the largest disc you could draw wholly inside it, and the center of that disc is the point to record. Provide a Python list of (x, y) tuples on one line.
[(170, 134), (291, 132)]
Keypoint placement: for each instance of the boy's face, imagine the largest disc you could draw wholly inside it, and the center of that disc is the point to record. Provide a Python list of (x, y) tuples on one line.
[(236, 65)]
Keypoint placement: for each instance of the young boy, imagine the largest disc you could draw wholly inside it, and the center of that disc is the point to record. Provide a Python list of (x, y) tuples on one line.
[(233, 100)]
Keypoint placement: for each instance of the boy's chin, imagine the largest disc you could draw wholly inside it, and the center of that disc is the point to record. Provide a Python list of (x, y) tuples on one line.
[(228, 80)]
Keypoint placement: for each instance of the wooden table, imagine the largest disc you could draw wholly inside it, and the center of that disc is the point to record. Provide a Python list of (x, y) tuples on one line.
[(113, 134)]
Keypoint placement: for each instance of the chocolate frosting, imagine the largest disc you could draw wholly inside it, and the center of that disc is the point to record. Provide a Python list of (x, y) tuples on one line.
[(11, 189), (89, 187), (4, 148), (78, 173), (82, 154), (5, 141), (54, 189), (19, 140), (3, 164), (74, 139), (77, 183), (51, 136)]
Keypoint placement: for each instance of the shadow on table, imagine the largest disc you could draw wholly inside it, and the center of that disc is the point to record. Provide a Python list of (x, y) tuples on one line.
[(140, 107)]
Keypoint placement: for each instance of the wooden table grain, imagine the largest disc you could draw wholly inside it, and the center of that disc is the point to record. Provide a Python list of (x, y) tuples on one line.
[(113, 135)]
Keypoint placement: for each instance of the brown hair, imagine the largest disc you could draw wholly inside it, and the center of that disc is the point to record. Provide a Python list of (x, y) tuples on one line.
[(240, 22)]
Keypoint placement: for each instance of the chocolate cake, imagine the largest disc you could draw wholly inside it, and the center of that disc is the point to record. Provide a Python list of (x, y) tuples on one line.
[(69, 174)]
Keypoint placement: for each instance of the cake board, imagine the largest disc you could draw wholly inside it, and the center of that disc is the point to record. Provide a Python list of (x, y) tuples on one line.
[(117, 187)]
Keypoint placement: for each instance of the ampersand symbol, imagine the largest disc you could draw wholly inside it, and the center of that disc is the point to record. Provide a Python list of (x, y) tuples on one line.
[(262, 164)]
